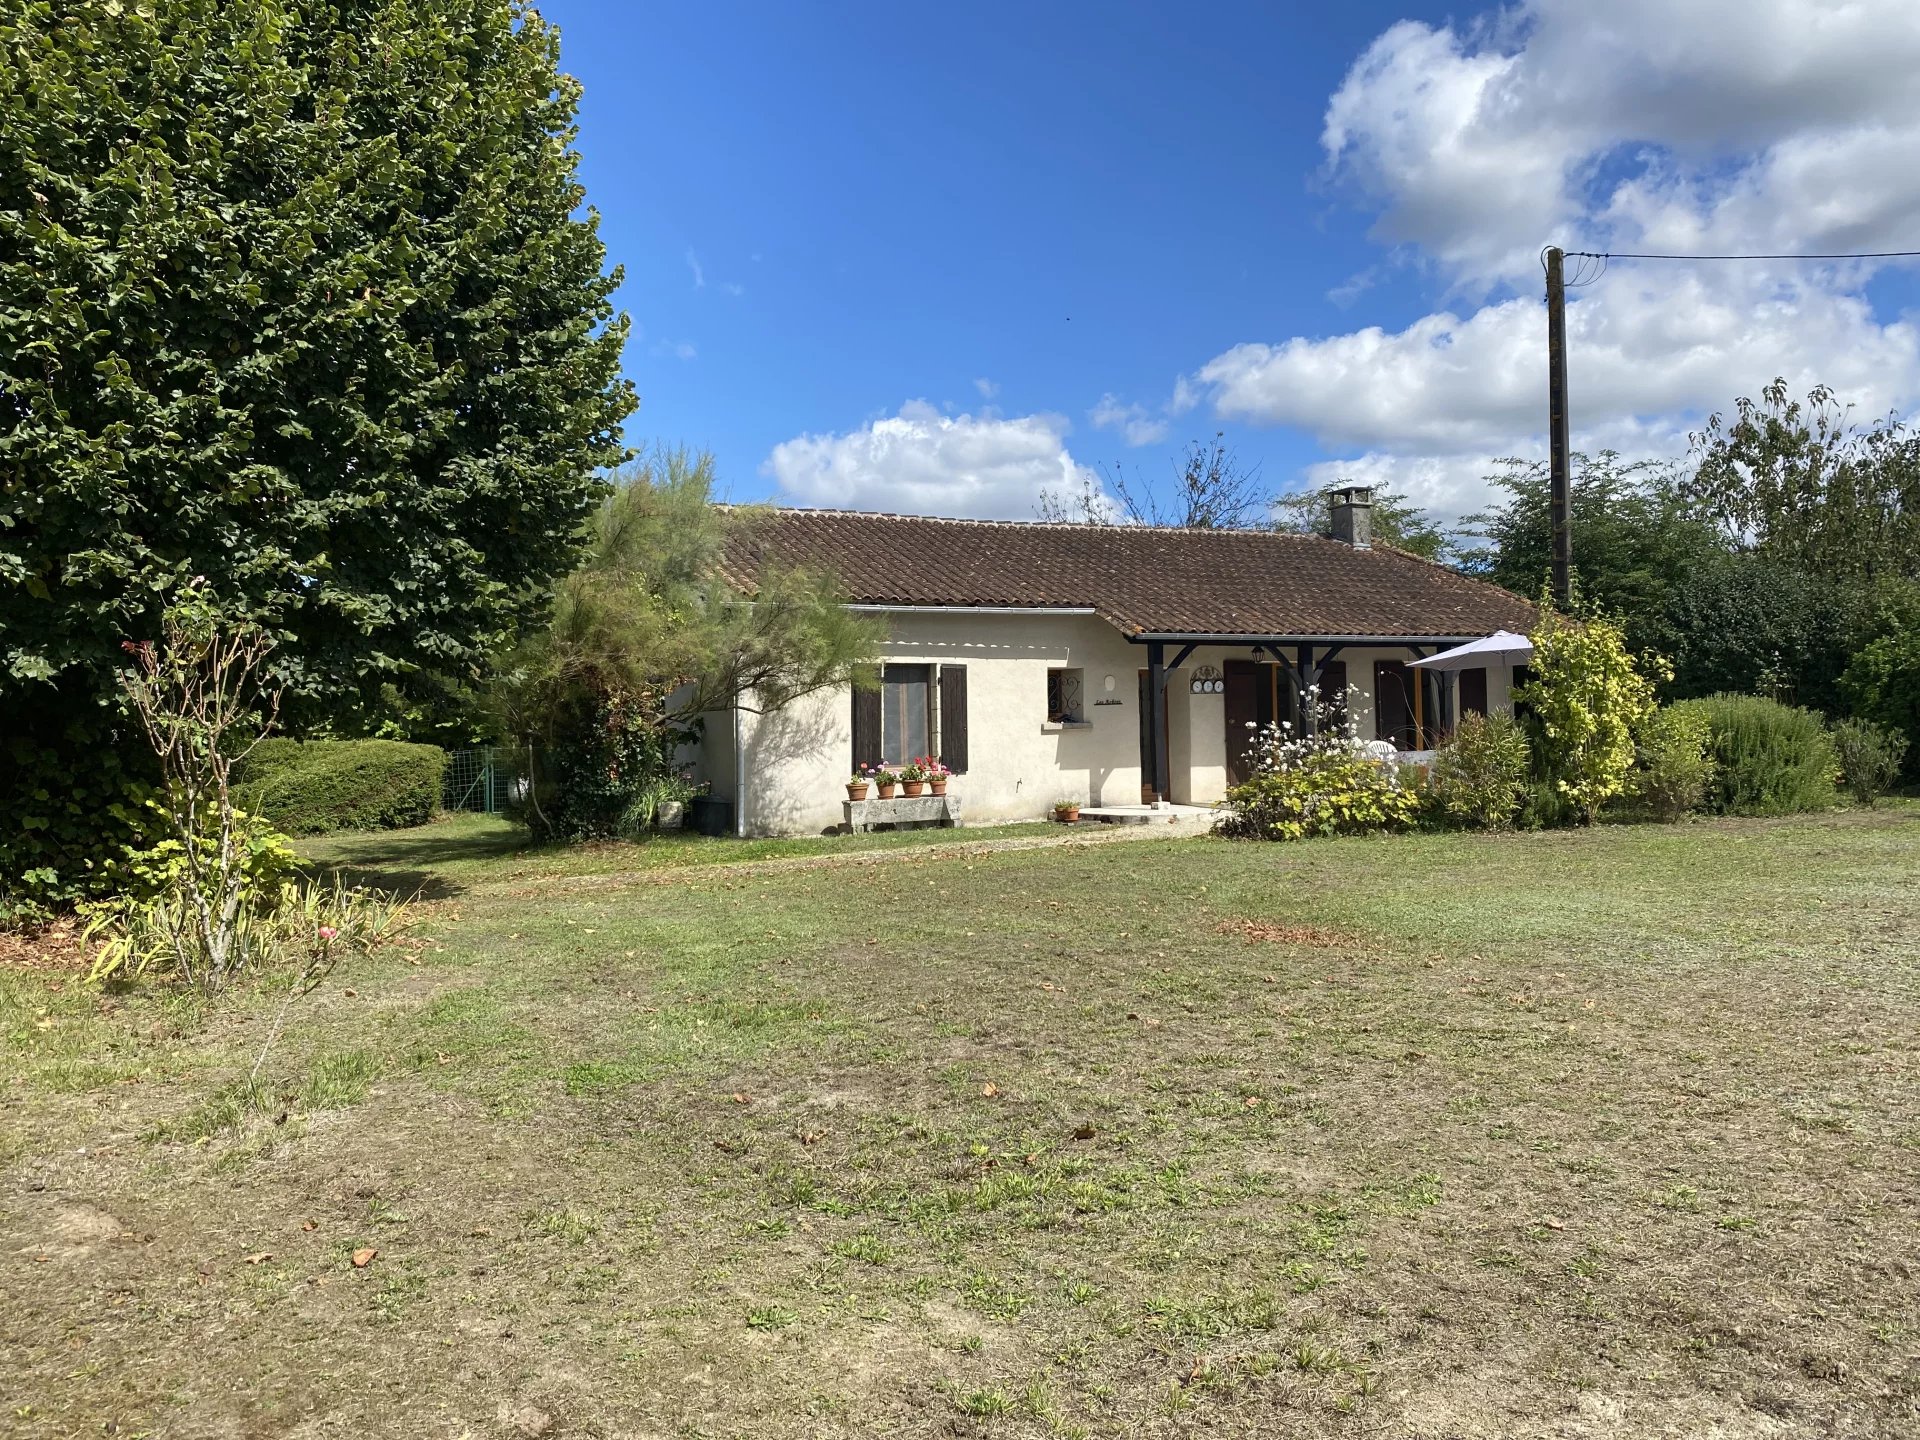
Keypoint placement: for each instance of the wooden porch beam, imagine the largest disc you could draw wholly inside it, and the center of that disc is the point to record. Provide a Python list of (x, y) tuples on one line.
[(1157, 716)]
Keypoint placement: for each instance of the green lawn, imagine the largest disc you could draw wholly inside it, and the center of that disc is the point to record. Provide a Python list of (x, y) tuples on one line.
[(1581, 1134)]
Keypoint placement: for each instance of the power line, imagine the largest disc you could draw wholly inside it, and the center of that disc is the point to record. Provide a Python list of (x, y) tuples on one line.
[(1852, 255)]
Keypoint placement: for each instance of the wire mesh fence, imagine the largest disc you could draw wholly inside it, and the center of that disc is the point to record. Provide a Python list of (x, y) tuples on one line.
[(484, 780)]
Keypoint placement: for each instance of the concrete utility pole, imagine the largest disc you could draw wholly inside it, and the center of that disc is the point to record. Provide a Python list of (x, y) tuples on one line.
[(1558, 443)]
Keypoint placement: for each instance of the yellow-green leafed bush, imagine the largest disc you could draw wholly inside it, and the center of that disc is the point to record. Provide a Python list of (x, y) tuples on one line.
[(1588, 699)]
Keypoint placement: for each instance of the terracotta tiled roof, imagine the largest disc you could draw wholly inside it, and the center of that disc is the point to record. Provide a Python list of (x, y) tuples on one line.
[(1141, 580)]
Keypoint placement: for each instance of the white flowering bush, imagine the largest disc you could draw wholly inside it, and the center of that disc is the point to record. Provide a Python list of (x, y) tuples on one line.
[(1329, 782)]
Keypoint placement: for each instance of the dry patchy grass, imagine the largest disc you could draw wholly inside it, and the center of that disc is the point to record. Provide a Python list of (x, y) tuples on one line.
[(1569, 1135)]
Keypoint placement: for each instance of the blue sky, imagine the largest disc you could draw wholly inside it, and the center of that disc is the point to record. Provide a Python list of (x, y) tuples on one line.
[(971, 252)]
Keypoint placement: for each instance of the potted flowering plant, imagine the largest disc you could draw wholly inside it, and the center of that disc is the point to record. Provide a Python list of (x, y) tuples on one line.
[(1067, 811), (913, 779), (886, 782), (936, 773), (858, 782)]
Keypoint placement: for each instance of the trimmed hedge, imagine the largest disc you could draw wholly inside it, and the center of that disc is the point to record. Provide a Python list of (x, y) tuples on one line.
[(312, 786), (1770, 759)]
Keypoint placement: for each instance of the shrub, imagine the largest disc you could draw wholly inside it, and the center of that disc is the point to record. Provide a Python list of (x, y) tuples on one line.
[(1769, 758), (309, 787), (1675, 763), (1587, 697), (307, 925), (1545, 807), (1480, 775), (606, 777), (1882, 683), (1322, 784), (1332, 793), (1869, 756)]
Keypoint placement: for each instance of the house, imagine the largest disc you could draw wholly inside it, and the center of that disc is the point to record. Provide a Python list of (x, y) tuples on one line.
[(1109, 664)]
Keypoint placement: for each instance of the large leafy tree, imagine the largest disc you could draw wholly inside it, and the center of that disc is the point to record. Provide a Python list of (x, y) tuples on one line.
[(1635, 539), (1799, 481), (299, 296)]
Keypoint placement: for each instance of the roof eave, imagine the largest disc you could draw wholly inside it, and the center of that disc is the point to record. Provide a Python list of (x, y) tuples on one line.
[(1215, 637)]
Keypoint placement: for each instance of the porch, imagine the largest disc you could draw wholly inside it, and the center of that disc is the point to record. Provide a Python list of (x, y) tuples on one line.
[(1204, 698)]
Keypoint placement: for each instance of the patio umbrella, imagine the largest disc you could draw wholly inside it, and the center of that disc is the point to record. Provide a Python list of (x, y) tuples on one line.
[(1503, 646)]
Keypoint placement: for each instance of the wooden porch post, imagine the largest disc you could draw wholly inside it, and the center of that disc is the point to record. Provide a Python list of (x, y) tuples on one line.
[(1157, 716)]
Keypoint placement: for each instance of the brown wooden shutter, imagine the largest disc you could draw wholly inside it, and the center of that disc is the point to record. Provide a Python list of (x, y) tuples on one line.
[(866, 725), (953, 718)]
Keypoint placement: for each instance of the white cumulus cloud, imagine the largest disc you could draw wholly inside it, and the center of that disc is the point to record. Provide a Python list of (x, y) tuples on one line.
[(1717, 126), (1133, 423), (922, 461)]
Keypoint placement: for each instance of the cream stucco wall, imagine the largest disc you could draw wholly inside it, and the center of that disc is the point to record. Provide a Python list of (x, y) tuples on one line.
[(796, 761)]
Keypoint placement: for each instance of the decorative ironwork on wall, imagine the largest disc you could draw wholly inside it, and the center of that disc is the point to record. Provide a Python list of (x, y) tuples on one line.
[(1063, 695)]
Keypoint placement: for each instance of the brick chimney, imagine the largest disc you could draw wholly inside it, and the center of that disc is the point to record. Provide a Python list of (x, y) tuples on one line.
[(1352, 510)]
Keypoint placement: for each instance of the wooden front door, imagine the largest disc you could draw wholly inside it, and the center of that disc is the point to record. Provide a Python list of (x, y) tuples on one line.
[(1256, 692)]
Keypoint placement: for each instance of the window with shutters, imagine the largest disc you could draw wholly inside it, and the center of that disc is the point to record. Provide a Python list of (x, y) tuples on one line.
[(905, 714)]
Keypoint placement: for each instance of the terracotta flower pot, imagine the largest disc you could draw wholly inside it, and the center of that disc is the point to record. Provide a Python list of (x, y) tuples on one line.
[(1068, 817), (913, 787), (886, 792), (856, 792), (937, 787)]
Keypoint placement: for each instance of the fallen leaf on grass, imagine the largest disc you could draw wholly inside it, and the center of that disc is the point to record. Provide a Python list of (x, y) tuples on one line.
[(989, 1089), (1553, 1223), (1083, 1132), (364, 1257), (309, 1225), (740, 1097), (261, 1258)]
